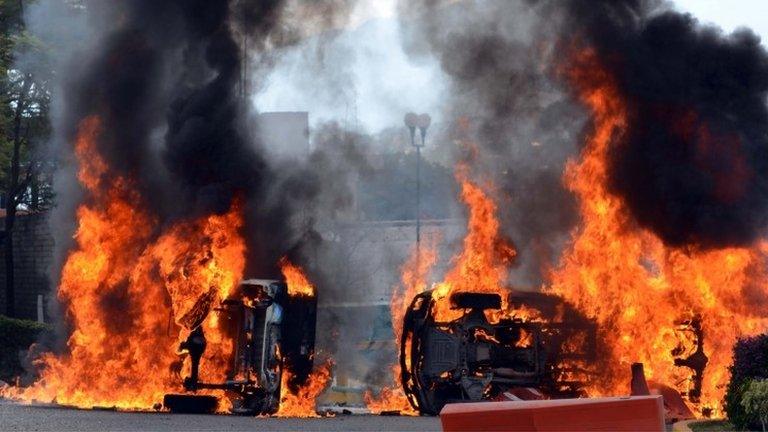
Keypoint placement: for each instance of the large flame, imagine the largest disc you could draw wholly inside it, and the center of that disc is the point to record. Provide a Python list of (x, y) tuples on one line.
[(129, 286), (483, 264), (637, 289)]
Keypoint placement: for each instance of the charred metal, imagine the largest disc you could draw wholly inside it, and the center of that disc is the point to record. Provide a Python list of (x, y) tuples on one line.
[(473, 359), (271, 331)]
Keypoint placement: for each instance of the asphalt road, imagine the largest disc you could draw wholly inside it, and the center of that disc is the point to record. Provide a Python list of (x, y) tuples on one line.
[(14, 417)]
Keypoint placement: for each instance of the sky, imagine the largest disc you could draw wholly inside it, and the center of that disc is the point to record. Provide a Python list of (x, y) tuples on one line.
[(730, 14), (363, 80)]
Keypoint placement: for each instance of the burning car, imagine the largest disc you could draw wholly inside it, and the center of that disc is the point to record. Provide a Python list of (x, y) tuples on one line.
[(271, 331), (487, 351)]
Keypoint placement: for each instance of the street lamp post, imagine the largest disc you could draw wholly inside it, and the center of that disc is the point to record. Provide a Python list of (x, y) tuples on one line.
[(422, 122)]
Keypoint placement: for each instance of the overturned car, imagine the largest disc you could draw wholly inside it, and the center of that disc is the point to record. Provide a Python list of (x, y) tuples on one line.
[(485, 353), (271, 331)]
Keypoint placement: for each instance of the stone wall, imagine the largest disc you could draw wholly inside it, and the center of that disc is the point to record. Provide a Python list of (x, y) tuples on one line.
[(33, 257)]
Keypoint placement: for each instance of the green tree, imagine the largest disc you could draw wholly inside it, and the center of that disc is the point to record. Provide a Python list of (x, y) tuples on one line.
[(25, 176), (755, 400)]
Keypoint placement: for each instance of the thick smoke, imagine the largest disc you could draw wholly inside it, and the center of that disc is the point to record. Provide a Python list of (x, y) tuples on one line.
[(169, 82), (173, 67), (206, 150), (503, 100), (692, 163)]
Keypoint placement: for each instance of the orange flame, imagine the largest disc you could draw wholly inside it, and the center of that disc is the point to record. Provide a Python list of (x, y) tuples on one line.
[(126, 289), (483, 264), (389, 399), (302, 402), (414, 275), (638, 289), (297, 281)]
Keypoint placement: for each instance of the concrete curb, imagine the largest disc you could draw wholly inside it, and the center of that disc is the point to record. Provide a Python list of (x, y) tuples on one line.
[(682, 426)]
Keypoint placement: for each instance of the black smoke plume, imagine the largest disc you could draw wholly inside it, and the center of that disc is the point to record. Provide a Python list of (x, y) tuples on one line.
[(692, 162), (205, 147), (170, 83), (170, 66)]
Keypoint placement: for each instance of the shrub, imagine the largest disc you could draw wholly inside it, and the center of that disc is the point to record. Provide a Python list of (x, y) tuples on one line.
[(16, 336), (735, 411), (755, 401), (750, 362)]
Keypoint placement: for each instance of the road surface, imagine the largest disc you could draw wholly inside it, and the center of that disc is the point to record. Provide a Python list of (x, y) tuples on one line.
[(15, 417)]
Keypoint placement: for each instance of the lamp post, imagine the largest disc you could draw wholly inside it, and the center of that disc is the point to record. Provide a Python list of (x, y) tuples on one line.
[(422, 122)]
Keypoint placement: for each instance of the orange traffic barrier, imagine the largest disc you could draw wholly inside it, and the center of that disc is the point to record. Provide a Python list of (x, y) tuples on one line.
[(631, 413)]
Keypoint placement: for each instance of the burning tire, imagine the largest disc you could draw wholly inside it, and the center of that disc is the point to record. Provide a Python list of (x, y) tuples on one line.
[(475, 358), (191, 404)]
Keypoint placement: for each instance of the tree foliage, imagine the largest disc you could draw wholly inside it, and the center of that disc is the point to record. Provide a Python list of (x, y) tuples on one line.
[(26, 168), (25, 75), (755, 400), (750, 363)]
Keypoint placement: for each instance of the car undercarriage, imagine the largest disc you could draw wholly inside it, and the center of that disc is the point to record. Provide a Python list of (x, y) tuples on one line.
[(474, 359)]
